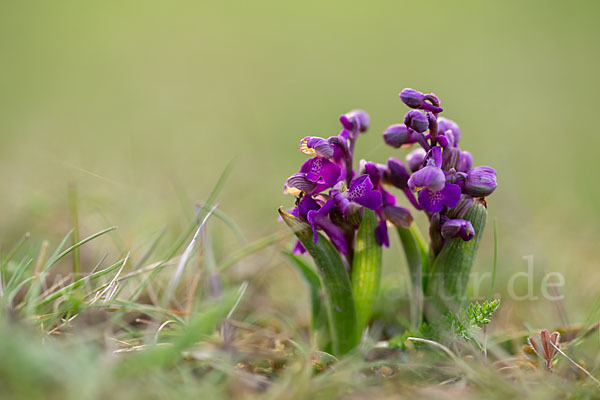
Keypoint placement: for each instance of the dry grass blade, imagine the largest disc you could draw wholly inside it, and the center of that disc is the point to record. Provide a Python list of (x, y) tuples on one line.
[(184, 259)]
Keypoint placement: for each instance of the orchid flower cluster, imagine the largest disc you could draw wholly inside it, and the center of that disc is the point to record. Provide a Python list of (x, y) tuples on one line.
[(331, 194), (442, 175), (437, 177)]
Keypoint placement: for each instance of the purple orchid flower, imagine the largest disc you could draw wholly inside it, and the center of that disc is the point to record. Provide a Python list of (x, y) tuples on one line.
[(360, 192), (435, 201), (430, 181), (316, 175), (388, 211), (320, 220), (441, 174), (305, 205), (312, 145)]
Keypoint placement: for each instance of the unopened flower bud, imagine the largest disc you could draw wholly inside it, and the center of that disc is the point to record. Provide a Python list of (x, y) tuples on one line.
[(356, 119), (450, 158), (458, 228), (397, 175), (481, 181), (445, 124), (415, 99), (398, 135), (416, 120), (465, 162), (415, 159), (412, 98)]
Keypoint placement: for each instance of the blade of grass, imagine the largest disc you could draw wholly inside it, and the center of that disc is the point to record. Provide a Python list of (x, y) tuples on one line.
[(200, 326), (19, 271), (75, 226), (79, 283), (35, 288), (184, 259), (182, 238), (227, 220), (150, 250), (77, 245), (9, 257), (207, 206), (209, 264), (252, 248)]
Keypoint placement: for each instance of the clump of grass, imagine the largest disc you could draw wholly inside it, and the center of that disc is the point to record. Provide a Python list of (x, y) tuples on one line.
[(149, 324)]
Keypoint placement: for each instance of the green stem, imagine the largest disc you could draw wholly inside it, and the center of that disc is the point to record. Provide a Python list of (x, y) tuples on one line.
[(336, 285), (414, 259), (452, 267), (366, 268)]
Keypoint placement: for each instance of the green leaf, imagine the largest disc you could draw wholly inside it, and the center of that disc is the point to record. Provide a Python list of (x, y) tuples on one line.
[(318, 313), (415, 261), (451, 268), (312, 280), (336, 285), (366, 268)]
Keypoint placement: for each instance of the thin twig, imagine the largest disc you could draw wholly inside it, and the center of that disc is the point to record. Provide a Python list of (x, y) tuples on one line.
[(434, 344), (585, 371)]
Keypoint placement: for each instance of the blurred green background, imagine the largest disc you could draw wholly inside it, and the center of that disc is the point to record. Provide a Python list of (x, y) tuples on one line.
[(142, 104)]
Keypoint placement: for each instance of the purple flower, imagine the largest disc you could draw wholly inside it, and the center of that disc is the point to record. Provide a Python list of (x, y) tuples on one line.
[(417, 121), (305, 205), (461, 228), (434, 201), (320, 220), (319, 169), (360, 192), (312, 145), (299, 183), (440, 173), (481, 181), (316, 175), (431, 176)]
